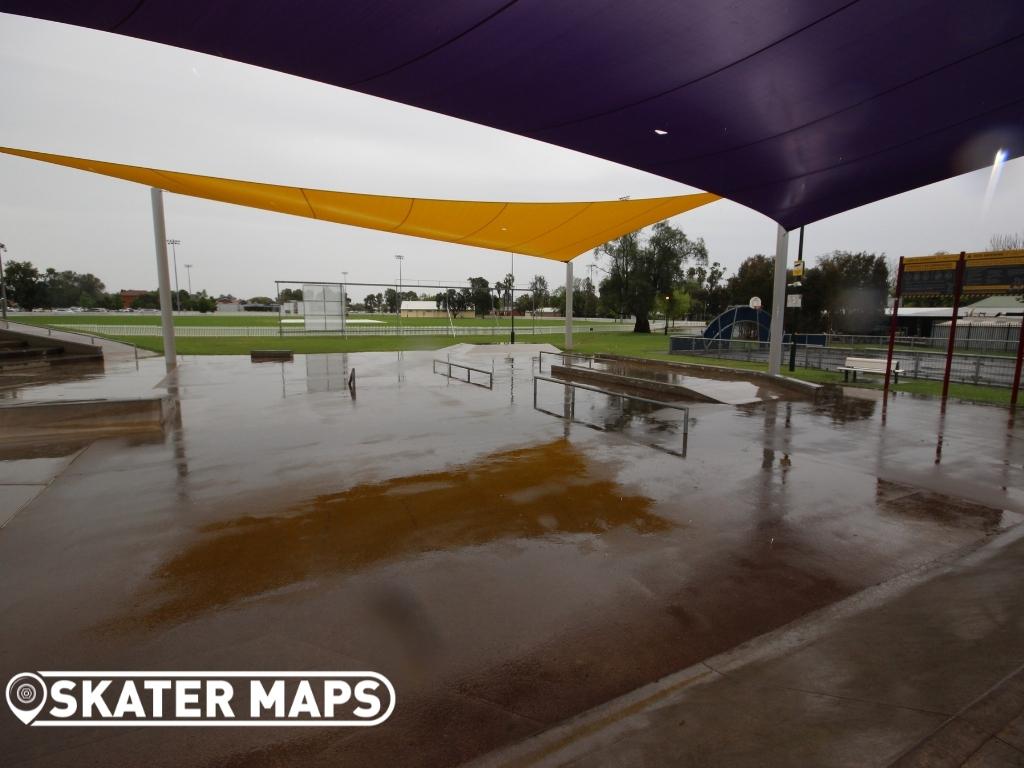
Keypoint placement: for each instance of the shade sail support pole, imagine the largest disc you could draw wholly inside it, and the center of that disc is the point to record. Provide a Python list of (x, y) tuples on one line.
[(778, 302), (163, 278), (568, 305)]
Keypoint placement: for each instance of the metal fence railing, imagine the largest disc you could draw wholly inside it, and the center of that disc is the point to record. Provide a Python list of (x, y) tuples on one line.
[(968, 338), (922, 363)]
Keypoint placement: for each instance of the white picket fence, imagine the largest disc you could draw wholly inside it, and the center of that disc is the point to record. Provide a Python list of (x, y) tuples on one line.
[(524, 329)]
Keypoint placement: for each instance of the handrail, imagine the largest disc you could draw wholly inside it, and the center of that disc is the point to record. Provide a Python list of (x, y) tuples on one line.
[(467, 368), (576, 385), (563, 355)]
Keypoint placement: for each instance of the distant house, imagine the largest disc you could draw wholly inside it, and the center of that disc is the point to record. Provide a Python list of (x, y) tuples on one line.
[(548, 312), (422, 309), (228, 304), (128, 298)]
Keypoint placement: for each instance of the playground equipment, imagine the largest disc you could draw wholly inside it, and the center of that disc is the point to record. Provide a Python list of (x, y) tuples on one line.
[(719, 332)]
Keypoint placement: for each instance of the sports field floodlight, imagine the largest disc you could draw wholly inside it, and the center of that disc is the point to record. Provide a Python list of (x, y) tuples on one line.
[(3, 284), (174, 250), (398, 299)]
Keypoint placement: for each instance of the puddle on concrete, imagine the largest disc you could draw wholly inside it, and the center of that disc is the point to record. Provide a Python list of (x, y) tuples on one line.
[(379, 522)]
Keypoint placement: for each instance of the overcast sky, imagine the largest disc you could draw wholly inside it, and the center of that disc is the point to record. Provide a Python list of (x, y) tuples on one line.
[(73, 91)]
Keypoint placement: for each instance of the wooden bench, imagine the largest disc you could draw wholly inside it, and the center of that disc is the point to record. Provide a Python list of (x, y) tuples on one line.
[(857, 365)]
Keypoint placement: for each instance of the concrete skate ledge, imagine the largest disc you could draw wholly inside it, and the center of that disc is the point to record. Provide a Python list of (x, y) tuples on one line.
[(77, 416), (674, 391), (804, 387)]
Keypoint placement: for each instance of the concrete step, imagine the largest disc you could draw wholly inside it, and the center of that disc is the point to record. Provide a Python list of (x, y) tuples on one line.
[(27, 352)]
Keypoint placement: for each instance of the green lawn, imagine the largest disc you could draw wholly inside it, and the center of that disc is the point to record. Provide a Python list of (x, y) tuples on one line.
[(264, 319), (314, 344)]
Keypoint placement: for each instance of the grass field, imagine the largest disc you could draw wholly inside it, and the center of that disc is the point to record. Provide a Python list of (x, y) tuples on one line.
[(650, 346), (260, 319)]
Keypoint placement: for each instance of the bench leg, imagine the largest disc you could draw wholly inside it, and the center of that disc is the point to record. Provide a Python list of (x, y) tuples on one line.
[(896, 376), (846, 376)]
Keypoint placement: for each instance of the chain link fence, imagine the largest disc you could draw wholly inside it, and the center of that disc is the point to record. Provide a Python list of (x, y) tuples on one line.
[(924, 362)]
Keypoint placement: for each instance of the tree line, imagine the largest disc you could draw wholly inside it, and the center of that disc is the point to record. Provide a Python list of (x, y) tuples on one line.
[(28, 289), (664, 272)]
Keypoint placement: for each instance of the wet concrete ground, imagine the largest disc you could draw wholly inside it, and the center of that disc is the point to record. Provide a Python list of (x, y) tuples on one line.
[(505, 568)]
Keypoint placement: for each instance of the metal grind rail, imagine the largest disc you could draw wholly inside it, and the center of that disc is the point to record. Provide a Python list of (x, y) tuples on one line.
[(563, 356), (622, 396), (469, 369)]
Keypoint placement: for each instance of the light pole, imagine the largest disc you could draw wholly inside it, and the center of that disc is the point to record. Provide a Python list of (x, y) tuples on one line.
[(512, 295), (398, 299), (174, 251), (344, 300), (3, 283), (188, 271)]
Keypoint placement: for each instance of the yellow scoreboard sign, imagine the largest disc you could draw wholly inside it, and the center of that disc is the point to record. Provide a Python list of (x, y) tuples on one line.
[(988, 272)]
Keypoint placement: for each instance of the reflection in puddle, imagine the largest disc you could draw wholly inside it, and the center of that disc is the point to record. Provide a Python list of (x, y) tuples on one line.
[(833, 401), (911, 503), (546, 490)]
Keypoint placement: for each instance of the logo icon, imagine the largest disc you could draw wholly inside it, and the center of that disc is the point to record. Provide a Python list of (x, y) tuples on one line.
[(26, 696)]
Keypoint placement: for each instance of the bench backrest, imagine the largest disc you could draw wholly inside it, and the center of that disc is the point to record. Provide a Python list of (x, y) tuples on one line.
[(870, 364)]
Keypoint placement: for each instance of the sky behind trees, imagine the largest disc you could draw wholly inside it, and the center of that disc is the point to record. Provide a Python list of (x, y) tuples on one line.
[(78, 92)]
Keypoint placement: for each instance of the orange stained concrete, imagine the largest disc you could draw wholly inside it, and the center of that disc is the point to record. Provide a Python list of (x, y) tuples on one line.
[(497, 497)]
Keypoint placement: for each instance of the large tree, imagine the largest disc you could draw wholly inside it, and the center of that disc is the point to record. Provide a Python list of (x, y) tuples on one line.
[(644, 267), (753, 278), (480, 296), (455, 302), (504, 289), (24, 286), (850, 290)]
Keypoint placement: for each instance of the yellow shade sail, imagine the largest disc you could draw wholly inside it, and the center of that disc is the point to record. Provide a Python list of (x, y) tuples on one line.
[(558, 231)]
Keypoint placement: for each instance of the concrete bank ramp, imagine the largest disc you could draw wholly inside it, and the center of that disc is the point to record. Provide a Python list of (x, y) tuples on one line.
[(480, 353), (684, 382)]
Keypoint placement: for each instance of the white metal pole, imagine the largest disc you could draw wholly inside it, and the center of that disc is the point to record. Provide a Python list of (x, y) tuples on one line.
[(778, 302), (568, 305), (163, 278)]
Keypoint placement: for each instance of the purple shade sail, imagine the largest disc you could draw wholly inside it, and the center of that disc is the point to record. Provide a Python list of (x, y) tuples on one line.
[(799, 109)]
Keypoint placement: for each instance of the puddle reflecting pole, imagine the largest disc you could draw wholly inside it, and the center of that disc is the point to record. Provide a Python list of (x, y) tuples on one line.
[(778, 302), (568, 305), (163, 278)]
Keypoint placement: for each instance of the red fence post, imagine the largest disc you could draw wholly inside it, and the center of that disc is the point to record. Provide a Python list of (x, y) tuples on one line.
[(1016, 369), (957, 290), (892, 327)]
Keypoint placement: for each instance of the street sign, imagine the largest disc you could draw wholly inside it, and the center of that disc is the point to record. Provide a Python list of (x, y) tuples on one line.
[(794, 300), (798, 268)]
